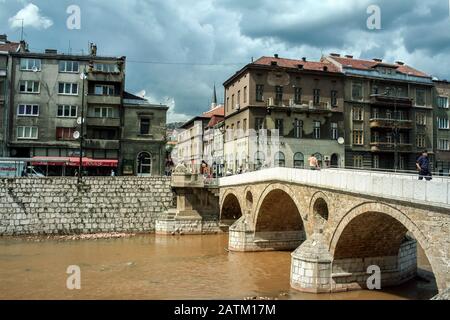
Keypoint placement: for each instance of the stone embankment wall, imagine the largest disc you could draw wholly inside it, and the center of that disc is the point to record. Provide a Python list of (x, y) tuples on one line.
[(54, 206)]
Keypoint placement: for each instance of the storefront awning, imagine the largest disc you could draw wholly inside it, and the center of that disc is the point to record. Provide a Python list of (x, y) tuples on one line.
[(73, 162)]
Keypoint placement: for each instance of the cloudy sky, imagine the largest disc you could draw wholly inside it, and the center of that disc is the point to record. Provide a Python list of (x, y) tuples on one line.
[(177, 49)]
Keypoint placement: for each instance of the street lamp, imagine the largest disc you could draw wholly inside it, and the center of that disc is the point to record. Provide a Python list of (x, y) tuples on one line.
[(83, 77), (395, 127)]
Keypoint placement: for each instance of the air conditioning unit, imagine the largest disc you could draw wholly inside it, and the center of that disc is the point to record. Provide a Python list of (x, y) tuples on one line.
[(238, 106)]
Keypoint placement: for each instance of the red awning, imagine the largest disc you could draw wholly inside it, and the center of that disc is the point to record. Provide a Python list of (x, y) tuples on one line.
[(88, 162), (74, 162)]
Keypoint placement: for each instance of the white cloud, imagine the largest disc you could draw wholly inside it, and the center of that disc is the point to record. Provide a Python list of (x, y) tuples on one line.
[(31, 17), (172, 116)]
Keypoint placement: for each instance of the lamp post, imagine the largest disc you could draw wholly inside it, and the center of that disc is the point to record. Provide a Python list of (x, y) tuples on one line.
[(395, 127), (83, 77)]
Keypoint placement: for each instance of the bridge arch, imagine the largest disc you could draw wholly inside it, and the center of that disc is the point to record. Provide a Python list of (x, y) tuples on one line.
[(231, 208), (278, 220), (378, 232), (319, 211)]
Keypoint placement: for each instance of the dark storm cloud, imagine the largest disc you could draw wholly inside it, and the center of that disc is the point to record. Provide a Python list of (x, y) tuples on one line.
[(230, 31)]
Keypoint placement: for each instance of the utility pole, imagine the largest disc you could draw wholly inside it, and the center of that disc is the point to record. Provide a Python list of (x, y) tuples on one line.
[(83, 77)]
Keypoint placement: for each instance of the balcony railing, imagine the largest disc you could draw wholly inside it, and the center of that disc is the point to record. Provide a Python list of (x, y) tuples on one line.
[(101, 144), (390, 101), (390, 146), (390, 123)]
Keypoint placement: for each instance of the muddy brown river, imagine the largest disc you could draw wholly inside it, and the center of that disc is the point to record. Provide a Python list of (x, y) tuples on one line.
[(162, 267)]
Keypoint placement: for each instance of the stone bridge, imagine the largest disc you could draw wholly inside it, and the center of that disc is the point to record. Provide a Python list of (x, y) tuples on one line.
[(340, 222)]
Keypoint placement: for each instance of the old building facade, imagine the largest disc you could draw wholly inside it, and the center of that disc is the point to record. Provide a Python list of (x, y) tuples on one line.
[(441, 126), (388, 113), (143, 140), (300, 100)]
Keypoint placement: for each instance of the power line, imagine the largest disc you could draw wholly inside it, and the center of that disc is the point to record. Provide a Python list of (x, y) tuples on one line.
[(187, 63)]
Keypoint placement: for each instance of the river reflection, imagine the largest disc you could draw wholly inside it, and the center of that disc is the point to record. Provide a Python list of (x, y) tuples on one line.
[(161, 267)]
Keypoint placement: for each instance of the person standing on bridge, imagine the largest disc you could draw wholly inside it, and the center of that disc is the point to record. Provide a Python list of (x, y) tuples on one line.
[(423, 165), (313, 163)]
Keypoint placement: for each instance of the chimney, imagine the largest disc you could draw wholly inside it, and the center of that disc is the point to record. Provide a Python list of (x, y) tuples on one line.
[(400, 63), (51, 51), (349, 56), (3, 38), (337, 55), (300, 66), (276, 55), (325, 68), (273, 63), (304, 59), (377, 59)]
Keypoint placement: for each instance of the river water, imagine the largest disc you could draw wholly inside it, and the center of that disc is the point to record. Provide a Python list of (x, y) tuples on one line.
[(161, 267)]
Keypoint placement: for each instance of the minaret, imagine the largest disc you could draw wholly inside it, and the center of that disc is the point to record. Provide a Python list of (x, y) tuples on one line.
[(214, 98)]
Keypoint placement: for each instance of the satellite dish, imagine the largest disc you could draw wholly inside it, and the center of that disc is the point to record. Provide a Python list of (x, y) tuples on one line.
[(76, 135), (80, 120), (341, 141), (83, 76), (35, 69)]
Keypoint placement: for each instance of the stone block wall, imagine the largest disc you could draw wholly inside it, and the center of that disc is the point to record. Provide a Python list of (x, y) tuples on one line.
[(52, 206)]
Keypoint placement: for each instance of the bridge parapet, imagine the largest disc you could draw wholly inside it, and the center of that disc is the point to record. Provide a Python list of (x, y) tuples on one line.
[(404, 187)]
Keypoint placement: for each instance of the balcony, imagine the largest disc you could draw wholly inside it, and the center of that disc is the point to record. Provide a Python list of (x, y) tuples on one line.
[(99, 99), (390, 147), (101, 144), (389, 101), (306, 105), (103, 122), (98, 76), (390, 123)]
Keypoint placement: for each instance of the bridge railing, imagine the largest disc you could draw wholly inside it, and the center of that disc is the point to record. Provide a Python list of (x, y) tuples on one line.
[(400, 186)]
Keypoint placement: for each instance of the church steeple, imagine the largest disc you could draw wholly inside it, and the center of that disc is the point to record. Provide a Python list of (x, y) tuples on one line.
[(214, 98)]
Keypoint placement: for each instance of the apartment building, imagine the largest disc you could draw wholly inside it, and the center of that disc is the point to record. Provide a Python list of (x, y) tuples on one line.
[(299, 101), (197, 137), (388, 112), (441, 127), (143, 139)]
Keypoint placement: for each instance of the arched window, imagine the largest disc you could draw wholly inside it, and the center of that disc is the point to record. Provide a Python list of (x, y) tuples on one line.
[(299, 160), (280, 160), (319, 158), (259, 160), (144, 164)]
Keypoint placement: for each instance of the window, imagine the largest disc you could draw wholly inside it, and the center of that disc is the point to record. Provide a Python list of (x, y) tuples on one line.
[(421, 118), (30, 64), (316, 129), (28, 86), (389, 138), (259, 160), (103, 112), (316, 94), (245, 94), (65, 134), (259, 123), (232, 102), (259, 92), (389, 114), (67, 111), (358, 161), (104, 90), (144, 163), (420, 97), (28, 110), (68, 88), (442, 123), (280, 160), (299, 160), (334, 101), (278, 94), (106, 67), (442, 102), (443, 144), (298, 95), (334, 131), (357, 91), (244, 126), (375, 113), (239, 97), (420, 141), (298, 128), (358, 137), (103, 134), (376, 161), (69, 66), (279, 124), (375, 90), (27, 132), (375, 137), (358, 113), (228, 104), (145, 126)]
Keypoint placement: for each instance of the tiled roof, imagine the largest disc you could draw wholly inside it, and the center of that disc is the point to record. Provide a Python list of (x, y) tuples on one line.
[(214, 120), (218, 111), (292, 63), (9, 46), (370, 64)]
